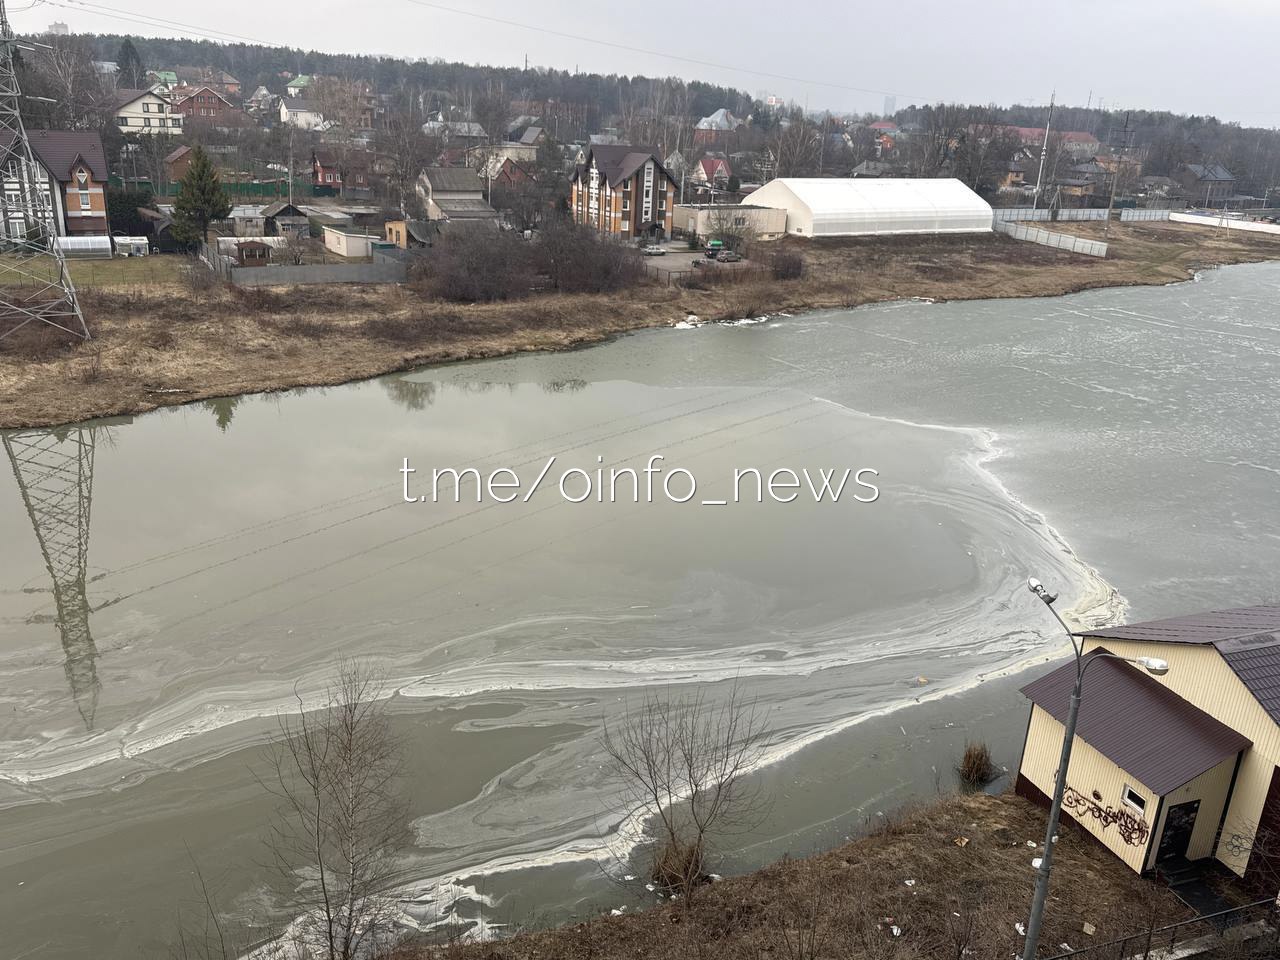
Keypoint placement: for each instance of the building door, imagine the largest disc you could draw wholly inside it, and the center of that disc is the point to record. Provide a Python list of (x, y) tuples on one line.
[(1179, 823)]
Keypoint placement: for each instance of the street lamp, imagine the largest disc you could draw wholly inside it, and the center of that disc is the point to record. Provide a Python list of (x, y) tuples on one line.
[(1154, 666)]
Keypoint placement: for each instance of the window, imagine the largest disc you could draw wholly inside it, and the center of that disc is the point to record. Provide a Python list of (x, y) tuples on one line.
[(146, 108), (328, 178), (626, 225), (84, 199), (176, 121), (1132, 798), (146, 121), (123, 121)]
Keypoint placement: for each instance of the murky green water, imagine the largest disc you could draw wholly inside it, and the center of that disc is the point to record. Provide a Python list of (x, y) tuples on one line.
[(167, 583)]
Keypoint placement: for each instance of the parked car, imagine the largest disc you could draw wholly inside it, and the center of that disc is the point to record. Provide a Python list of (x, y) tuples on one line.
[(653, 250), (728, 256), (713, 249)]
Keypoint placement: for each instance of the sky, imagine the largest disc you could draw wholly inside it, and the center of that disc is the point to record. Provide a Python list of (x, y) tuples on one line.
[(1189, 56)]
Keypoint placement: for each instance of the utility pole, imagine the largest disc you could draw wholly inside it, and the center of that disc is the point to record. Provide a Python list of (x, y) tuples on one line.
[(1044, 150), (1115, 178), (35, 285)]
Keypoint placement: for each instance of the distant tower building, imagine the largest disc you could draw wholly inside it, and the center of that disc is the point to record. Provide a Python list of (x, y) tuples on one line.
[(890, 105), (59, 29)]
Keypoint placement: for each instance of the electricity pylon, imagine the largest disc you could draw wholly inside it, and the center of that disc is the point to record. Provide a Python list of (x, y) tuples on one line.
[(54, 470), (35, 285)]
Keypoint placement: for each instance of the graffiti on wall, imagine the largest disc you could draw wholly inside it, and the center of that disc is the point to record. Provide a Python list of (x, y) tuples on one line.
[(1133, 830)]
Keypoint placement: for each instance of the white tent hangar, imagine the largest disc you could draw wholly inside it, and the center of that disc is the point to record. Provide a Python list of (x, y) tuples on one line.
[(819, 207)]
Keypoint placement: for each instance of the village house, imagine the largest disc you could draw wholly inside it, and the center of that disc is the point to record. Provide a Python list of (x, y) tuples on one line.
[(408, 234), (204, 104), (284, 219), (219, 80), (1176, 768), (1206, 183), (456, 195), (623, 191), (298, 85), (461, 133), (145, 111), (333, 174), (711, 129), (305, 114), (73, 176), (711, 171), (176, 164)]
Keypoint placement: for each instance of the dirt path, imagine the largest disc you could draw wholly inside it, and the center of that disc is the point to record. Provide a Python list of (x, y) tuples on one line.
[(168, 344)]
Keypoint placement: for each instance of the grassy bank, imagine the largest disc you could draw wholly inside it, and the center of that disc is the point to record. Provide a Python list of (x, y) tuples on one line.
[(163, 343), (950, 878)]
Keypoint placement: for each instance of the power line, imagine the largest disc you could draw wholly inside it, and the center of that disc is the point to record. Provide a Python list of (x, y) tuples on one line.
[(146, 20), (656, 53)]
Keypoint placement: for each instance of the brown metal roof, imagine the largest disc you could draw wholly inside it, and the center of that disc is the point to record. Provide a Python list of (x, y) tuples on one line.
[(1212, 627), (1256, 661), (1138, 723), (60, 150)]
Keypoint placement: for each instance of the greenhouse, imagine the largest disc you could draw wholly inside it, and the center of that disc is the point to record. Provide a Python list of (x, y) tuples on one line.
[(861, 207)]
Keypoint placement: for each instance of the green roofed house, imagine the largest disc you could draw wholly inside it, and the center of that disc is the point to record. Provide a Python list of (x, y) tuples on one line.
[(298, 84), (163, 78)]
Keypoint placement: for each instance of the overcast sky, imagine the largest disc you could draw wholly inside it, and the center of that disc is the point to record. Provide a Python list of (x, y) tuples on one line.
[(1191, 56)]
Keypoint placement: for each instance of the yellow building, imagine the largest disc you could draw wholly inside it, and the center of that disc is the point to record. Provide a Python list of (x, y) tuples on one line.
[(1178, 768)]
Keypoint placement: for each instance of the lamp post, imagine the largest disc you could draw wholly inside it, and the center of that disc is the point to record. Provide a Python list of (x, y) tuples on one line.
[(1153, 665)]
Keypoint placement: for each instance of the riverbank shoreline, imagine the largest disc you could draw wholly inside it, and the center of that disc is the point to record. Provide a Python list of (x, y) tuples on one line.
[(171, 345), (951, 874)]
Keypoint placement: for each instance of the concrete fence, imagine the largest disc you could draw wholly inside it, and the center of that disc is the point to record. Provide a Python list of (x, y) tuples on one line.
[(1020, 214), (1081, 213), (1060, 241), (1130, 215), (1211, 220)]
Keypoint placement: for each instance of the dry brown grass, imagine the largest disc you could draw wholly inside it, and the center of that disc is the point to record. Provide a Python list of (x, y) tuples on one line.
[(970, 874), (976, 768), (217, 342)]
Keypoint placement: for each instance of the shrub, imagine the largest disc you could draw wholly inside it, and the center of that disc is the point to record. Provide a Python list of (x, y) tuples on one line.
[(976, 767), (577, 260), (475, 265), (787, 265)]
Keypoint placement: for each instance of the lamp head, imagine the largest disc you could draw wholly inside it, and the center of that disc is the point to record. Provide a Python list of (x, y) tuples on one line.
[(1154, 666), (1036, 587)]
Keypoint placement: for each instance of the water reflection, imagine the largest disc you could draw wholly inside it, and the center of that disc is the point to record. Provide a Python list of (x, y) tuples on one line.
[(54, 471), (223, 410), (410, 394)]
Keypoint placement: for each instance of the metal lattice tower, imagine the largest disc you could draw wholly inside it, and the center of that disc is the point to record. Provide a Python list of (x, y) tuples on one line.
[(35, 285), (54, 470)]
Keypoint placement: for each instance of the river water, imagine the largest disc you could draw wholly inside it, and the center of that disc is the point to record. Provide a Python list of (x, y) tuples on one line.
[(168, 584)]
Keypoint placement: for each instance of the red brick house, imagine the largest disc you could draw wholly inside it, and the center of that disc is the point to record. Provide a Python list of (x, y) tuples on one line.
[(204, 104), (623, 191), (332, 172)]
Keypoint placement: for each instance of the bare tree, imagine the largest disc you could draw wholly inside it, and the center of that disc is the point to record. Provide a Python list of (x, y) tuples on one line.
[(683, 761), (732, 226), (336, 772)]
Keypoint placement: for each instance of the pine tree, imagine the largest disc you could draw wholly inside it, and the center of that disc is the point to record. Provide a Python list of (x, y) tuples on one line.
[(132, 73), (200, 199)]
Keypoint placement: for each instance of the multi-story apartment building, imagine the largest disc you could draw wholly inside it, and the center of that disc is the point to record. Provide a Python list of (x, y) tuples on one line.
[(624, 191)]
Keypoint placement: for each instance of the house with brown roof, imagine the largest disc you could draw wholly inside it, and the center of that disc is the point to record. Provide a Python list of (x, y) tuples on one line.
[(146, 112), (73, 178), (1169, 769), (623, 191)]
